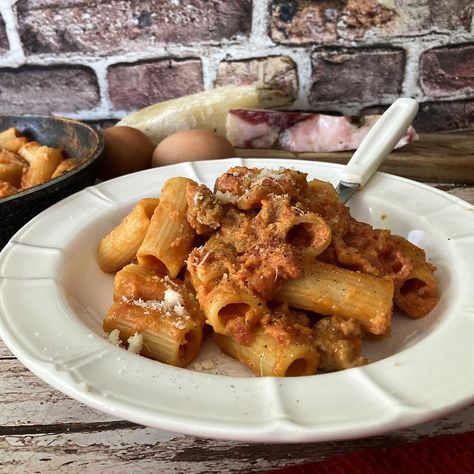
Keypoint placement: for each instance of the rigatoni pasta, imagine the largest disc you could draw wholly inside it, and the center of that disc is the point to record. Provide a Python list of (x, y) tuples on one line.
[(43, 161), (25, 163), (12, 140), (226, 305), (64, 166), (310, 233), (173, 340), (266, 357), (417, 294), (273, 265), (332, 291), (120, 246), (12, 167), (169, 237), (163, 311), (6, 189)]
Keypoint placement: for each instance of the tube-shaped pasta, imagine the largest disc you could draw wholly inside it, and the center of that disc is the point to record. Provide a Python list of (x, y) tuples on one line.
[(11, 172), (167, 336), (418, 293), (65, 166), (266, 357), (135, 282), (164, 311), (225, 302), (43, 161), (334, 291), (310, 233), (324, 189), (211, 261), (120, 246), (262, 265), (12, 140), (6, 189), (11, 168), (170, 237)]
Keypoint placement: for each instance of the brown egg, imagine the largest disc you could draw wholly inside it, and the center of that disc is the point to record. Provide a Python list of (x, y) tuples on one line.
[(191, 145), (126, 150)]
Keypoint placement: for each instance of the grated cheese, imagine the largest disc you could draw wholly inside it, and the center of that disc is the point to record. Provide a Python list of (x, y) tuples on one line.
[(273, 175), (204, 365), (135, 343), (168, 280), (297, 209), (226, 198), (172, 298), (172, 305), (114, 337), (204, 258), (198, 197), (268, 173)]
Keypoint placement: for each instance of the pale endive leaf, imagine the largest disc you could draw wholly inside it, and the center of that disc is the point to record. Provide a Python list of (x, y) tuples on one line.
[(206, 110)]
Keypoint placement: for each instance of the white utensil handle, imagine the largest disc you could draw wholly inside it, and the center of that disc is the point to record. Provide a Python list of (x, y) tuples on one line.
[(379, 142)]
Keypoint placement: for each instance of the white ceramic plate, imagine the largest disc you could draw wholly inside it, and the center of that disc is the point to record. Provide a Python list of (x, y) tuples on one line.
[(53, 297)]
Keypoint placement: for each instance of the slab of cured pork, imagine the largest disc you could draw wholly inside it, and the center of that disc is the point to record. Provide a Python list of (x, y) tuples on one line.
[(300, 131)]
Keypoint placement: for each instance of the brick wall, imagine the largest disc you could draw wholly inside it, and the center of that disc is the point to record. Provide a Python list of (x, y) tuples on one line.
[(101, 59)]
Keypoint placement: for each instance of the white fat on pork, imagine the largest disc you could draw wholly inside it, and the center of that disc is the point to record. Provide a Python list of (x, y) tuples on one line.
[(300, 132)]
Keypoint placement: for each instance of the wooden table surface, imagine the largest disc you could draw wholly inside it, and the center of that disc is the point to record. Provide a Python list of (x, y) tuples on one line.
[(42, 430)]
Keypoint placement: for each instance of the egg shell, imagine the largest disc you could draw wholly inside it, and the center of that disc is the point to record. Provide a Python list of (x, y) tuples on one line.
[(126, 150), (191, 145)]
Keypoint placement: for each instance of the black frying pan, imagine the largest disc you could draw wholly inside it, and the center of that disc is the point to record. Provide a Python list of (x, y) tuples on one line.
[(77, 139)]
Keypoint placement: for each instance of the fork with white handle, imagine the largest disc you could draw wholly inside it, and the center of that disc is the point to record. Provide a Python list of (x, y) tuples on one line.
[(375, 147)]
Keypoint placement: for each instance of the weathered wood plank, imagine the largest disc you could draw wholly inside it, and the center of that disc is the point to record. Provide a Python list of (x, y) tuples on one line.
[(434, 157), (26, 400), (4, 351), (148, 450), (466, 193)]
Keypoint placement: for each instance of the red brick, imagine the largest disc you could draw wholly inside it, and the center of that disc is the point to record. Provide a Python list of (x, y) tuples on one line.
[(367, 16), (3, 37), (304, 21), (279, 71), (453, 15), (127, 25), (356, 75), (448, 70), (307, 21), (437, 116), (137, 85), (452, 116), (48, 89), (444, 116)]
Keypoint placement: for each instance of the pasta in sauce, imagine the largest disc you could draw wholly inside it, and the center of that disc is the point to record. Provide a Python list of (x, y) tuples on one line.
[(286, 279), (25, 163)]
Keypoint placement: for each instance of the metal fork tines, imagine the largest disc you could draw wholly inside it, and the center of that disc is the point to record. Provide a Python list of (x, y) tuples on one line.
[(346, 191)]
